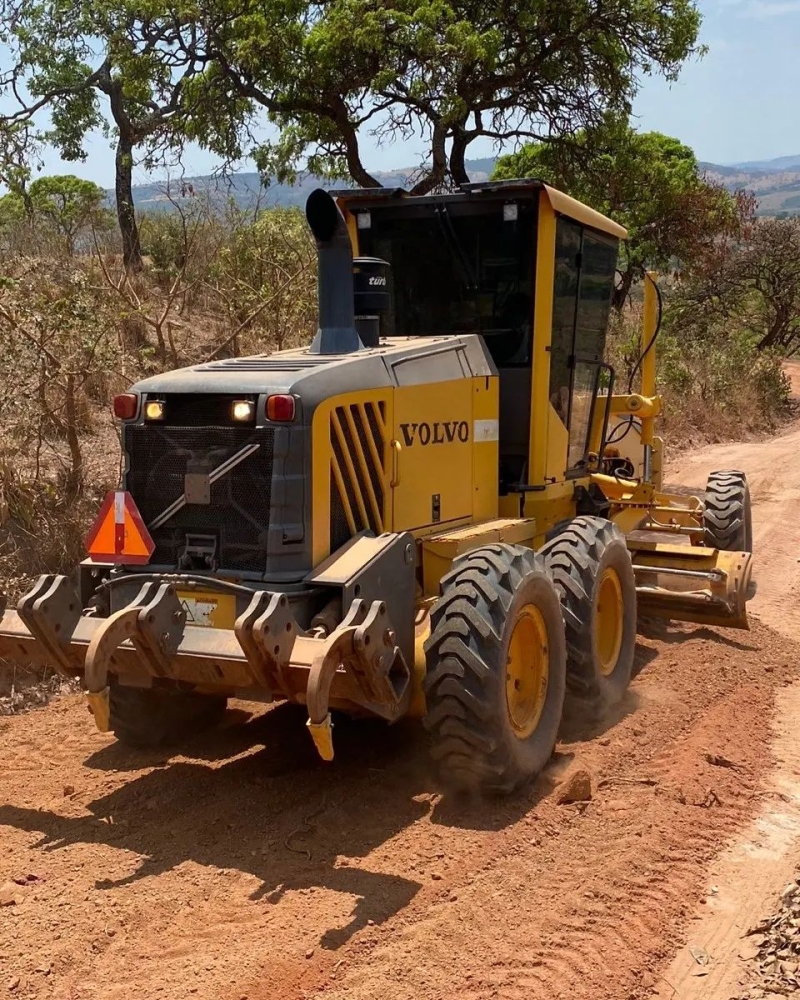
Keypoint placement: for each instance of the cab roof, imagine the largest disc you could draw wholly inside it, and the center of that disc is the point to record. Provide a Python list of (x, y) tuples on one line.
[(562, 204)]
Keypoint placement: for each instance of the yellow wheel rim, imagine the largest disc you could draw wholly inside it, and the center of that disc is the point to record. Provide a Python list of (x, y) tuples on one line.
[(609, 621), (527, 671)]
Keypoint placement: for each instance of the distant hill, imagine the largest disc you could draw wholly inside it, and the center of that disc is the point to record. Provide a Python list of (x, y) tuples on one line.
[(772, 166), (247, 190), (776, 184)]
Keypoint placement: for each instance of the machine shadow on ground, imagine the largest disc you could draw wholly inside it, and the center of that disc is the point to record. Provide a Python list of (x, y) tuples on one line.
[(276, 813)]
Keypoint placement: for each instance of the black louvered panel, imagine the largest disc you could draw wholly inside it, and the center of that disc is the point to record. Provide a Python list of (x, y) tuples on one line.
[(238, 516)]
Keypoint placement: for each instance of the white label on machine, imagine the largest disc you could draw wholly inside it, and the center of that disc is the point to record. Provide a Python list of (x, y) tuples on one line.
[(198, 612), (487, 430)]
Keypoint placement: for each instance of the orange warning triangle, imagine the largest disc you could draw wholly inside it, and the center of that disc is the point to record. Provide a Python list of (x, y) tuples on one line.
[(118, 534)]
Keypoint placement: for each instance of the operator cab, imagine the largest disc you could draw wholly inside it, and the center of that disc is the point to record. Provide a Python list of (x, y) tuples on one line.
[(466, 263)]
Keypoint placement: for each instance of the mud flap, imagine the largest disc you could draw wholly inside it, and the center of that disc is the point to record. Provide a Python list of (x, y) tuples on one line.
[(693, 584)]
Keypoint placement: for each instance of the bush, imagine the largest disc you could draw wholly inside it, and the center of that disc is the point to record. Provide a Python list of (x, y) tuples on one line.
[(715, 383), (266, 272)]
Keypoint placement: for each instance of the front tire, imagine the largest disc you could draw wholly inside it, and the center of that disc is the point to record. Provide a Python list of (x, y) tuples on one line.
[(727, 517), (496, 669), (153, 717), (592, 569)]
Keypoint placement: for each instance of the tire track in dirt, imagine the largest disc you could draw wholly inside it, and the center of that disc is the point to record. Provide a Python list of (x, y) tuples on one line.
[(586, 908), (745, 877)]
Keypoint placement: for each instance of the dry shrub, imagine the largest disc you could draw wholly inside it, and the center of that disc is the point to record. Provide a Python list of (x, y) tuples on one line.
[(76, 330), (716, 385), (41, 530)]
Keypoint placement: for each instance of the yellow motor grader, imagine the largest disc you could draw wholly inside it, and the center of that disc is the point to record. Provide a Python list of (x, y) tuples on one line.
[(443, 507)]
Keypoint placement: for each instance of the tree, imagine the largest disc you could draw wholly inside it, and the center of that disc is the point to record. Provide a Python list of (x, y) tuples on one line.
[(82, 61), (752, 282), (648, 182), (18, 146), (772, 261), (451, 72), (70, 203), (327, 74)]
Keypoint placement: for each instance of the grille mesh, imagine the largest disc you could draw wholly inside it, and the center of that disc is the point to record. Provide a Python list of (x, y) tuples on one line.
[(238, 515)]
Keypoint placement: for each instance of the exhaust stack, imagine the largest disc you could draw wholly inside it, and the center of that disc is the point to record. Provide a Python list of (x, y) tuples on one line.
[(337, 332)]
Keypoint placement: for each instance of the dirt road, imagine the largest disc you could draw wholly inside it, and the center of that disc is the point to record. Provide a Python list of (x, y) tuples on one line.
[(772, 471), (244, 868)]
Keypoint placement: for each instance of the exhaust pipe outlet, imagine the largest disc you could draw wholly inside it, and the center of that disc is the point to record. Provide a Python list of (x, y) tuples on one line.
[(337, 332)]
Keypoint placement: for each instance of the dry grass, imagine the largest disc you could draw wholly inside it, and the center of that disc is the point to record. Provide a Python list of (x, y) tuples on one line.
[(713, 390)]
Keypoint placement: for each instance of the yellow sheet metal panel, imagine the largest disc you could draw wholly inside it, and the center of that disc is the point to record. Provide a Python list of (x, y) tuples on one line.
[(542, 332), (657, 463), (486, 445), (422, 629), (549, 506), (565, 205), (513, 530), (557, 446), (433, 454), (352, 226), (439, 550), (510, 505), (628, 519)]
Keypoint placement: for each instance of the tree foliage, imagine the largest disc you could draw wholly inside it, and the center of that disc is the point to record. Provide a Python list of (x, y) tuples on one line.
[(649, 182), (328, 74), (69, 203), (753, 281), (451, 72), (115, 65)]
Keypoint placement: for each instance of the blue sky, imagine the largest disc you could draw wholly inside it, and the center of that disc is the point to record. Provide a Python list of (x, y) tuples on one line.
[(740, 102)]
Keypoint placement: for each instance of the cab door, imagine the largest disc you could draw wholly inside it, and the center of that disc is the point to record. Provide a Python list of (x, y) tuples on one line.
[(584, 281)]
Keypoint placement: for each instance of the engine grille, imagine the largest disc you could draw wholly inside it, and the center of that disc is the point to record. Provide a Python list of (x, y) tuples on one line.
[(358, 470), (238, 516)]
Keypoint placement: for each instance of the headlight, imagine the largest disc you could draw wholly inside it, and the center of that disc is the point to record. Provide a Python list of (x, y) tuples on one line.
[(243, 410), (154, 409)]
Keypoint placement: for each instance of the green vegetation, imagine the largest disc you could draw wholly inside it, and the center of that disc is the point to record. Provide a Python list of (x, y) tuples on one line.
[(324, 75), (71, 205)]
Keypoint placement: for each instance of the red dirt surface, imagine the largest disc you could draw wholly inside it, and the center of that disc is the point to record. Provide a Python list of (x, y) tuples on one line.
[(245, 867)]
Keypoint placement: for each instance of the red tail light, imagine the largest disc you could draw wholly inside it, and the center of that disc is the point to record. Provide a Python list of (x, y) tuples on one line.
[(126, 406), (280, 408)]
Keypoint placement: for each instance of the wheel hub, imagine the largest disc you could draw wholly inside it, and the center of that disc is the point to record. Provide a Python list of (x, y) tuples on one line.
[(527, 671), (609, 621)]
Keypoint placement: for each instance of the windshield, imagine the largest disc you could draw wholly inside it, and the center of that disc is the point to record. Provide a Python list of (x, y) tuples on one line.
[(459, 268)]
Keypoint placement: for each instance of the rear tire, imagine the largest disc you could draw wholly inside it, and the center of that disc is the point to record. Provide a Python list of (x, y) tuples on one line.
[(496, 669), (728, 518), (153, 717), (592, 569)]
